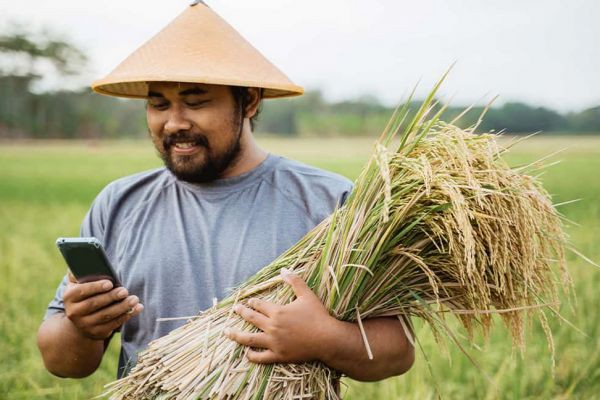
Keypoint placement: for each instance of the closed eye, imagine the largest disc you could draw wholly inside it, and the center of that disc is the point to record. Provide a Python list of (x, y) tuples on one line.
[(158, 106), (196, 103)]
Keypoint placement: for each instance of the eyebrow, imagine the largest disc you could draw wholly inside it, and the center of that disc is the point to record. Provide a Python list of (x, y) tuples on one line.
[(191, 91), (155, 94), (188, 92)]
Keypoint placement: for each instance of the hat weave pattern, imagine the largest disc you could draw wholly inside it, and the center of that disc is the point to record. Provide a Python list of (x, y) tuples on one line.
[(196, 47)]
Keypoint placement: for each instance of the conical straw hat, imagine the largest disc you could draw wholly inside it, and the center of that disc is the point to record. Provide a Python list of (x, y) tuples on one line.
[(198, 46)]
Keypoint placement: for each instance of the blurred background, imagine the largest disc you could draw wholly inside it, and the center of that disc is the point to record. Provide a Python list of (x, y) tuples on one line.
[(356, 59), (60, 144)]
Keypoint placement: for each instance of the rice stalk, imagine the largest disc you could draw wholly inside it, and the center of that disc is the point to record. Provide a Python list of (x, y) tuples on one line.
[(437, 224)]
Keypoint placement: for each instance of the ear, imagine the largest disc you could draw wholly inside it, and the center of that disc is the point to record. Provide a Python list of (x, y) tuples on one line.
[(254, 99)]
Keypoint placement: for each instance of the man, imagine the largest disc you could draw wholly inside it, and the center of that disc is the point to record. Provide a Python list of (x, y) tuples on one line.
[(221, 209)]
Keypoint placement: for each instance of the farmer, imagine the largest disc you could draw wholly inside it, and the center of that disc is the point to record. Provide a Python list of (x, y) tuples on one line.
[(221, 209)]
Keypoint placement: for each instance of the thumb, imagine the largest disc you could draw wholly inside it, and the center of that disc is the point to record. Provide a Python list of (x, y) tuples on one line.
[(298, 285), (71, 277)]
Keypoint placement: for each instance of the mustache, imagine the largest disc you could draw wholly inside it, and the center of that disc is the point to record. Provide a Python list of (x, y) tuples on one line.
[(185, 137)]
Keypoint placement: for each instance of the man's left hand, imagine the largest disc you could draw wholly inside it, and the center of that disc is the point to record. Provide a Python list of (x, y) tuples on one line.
[(297, 332)]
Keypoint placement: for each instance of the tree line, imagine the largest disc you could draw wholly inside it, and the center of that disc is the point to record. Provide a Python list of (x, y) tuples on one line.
[(311, 114), (27, 113)]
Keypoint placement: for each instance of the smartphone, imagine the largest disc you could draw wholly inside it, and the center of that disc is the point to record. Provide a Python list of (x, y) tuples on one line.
[(87, 260)]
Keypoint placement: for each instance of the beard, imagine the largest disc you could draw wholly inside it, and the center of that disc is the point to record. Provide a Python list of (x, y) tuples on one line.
[(205, 166)]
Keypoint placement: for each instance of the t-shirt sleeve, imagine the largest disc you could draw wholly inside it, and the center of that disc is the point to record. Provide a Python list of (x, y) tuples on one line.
[(93, 225), (57, 306)]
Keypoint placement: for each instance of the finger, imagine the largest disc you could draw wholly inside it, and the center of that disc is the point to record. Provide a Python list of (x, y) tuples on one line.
[(254, 317), (298, 285), (250, 339), (104, 331), (263, 306), (117, 322), (109, 313), (262, 356), (97, 302), (81, 291)]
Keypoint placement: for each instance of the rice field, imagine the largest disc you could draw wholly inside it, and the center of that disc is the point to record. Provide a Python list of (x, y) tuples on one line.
[(45, 190)]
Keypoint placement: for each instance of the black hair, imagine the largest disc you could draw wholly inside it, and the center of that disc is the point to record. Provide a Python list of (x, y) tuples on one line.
[(242, 98)]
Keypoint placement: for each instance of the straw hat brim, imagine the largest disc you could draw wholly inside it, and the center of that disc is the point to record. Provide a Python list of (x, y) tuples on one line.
[(137, 87)]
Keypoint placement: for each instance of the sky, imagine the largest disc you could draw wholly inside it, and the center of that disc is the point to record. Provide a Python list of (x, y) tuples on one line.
[(542, 52)]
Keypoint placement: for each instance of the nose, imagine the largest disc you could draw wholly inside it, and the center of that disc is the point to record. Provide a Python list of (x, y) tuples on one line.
[(176, 120)]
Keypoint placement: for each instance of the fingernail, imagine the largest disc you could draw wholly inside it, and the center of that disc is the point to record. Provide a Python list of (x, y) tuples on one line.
[(140, 307), (122, 293), (284, 272), (133, 301), (236, 308), (107, 285), (226, 332)]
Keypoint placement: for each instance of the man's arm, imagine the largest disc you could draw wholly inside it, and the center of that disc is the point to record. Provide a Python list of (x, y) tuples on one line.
[(65, 351), (392, 352), (304, 331), (72, 343)]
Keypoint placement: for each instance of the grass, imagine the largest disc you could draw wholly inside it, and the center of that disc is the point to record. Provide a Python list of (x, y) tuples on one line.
[(45, 191)]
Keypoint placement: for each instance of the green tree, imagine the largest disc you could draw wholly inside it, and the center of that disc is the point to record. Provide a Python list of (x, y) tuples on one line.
[(32, 51), (25, 58), (586, 120)]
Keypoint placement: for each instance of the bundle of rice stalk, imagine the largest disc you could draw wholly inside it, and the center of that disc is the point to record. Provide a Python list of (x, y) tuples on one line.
[(437, 224)]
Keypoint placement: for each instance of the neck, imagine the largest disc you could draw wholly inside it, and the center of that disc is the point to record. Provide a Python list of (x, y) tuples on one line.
[(250, 156)]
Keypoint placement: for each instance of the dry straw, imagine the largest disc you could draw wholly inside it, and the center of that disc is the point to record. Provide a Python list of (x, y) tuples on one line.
[(437, 224)]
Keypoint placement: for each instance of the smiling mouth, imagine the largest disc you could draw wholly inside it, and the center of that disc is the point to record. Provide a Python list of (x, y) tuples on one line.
[(185, 145), (186, 148)]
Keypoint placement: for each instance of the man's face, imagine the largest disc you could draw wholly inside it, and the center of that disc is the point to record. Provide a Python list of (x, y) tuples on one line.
[(196, 128)]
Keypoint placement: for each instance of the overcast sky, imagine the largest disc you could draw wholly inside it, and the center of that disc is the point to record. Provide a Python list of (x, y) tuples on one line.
[(544, 52)]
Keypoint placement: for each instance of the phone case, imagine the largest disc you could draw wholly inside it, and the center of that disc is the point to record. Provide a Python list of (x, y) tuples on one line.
[(87, 260)]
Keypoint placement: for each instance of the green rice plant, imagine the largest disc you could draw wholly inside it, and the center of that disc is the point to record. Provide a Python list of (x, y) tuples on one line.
[(437, 225)]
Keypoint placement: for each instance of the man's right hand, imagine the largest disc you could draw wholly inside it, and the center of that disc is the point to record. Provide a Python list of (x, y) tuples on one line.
[(97, 309)]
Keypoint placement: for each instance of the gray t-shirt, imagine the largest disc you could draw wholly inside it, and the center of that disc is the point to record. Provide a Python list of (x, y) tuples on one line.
[(178, 245)]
